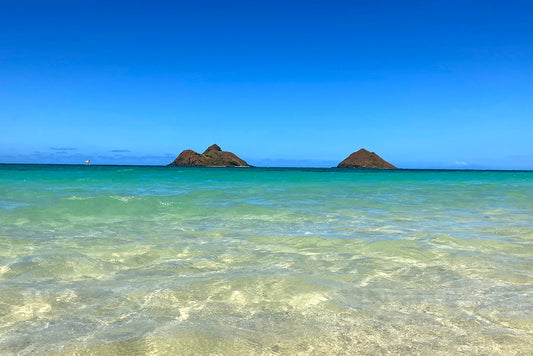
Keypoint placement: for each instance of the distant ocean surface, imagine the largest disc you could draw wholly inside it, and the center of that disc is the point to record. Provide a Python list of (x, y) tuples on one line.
[(105, 260)]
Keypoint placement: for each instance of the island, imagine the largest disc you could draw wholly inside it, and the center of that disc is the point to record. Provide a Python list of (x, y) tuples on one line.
[(212, 157), (365, 159)]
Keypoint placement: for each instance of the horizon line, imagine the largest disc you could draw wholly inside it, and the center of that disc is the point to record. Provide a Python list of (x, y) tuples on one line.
[(273, 167)]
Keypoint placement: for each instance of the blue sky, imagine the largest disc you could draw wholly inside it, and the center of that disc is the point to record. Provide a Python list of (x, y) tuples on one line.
[(425, 84)]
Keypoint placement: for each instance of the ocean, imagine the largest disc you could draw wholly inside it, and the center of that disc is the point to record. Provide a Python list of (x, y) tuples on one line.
[(126, 260)]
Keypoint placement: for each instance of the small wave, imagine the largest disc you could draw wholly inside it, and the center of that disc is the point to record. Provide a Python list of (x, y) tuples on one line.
[(123, 199), (74, 197), (169, 203)]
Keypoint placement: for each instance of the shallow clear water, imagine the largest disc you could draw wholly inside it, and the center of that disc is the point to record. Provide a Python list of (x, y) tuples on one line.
[(160, 260)]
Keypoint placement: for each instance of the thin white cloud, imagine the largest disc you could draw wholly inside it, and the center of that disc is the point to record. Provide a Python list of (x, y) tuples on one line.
[(63, 148)]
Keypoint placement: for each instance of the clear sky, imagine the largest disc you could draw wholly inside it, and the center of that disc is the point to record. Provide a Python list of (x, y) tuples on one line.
[(425, 84)]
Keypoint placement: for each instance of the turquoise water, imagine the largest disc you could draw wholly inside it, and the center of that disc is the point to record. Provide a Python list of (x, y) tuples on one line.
[(160, 260)]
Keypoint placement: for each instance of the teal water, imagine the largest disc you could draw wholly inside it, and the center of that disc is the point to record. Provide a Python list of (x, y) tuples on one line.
[(159, 260)]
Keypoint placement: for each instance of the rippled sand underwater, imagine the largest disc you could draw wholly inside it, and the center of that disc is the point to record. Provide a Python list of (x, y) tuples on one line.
[(158, 260)]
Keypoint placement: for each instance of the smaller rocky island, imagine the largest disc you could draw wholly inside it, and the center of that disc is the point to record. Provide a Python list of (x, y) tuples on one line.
[(365, 159), (212, 157)]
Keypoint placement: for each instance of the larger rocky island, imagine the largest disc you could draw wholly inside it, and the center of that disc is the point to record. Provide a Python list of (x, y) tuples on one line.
[(212, 157), (365, 159)]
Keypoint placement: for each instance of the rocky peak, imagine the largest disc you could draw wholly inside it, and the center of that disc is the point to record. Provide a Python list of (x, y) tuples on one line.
[(365, 159), (213, 147)]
